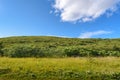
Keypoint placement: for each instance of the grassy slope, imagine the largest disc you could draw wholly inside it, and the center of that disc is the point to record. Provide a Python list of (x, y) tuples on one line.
[(56, 46), (52, 39), (107, 68)]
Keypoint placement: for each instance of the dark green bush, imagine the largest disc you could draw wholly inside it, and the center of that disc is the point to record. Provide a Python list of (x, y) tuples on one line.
[(23, 51), (71, 52), (1, 52), (115, 53), (84, 52)]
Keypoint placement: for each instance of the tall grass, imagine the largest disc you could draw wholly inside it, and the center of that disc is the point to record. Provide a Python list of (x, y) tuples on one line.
[(102, 68)]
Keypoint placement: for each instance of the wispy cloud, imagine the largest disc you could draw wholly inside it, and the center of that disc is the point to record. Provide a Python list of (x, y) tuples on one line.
[(91, 34), (59, 36), (84, 10)]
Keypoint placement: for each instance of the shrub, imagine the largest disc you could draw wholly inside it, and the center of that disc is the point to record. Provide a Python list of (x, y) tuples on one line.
[(115, 53), (1, 52), (23, 51), (71, 52), (84, 52)]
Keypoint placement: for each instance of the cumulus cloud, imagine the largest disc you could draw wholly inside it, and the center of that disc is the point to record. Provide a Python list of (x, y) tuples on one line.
[(84, 10), (91, 34)]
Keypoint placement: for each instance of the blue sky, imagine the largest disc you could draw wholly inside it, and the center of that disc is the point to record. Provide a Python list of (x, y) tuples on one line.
[(50, 18)]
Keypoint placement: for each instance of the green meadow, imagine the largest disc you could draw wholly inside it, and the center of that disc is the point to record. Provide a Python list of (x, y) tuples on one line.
[(87, 68)]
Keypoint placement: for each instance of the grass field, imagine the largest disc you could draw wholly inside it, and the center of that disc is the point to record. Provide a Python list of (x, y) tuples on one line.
[(107, 68)]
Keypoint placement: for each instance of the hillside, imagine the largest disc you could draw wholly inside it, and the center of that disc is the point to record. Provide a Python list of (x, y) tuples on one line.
[(46, 46)]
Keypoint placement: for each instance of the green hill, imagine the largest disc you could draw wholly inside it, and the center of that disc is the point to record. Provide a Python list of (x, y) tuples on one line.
[(48, 46)]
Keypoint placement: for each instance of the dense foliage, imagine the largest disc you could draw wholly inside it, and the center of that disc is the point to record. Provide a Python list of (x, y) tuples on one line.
[(58, 47)]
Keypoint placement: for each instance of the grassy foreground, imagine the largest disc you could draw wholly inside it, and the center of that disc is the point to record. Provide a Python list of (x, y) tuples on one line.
[(107, 68)]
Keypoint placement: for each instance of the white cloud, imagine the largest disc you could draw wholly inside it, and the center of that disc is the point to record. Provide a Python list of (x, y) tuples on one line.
[(91, 34), (59, 36), (84, 10)]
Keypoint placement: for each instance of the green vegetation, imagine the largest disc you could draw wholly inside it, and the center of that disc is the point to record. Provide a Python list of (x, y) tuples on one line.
[(107, 68), (54, 58), (58, 47)]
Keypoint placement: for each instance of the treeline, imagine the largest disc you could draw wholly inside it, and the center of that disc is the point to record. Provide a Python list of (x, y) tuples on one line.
[(58, 47)]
